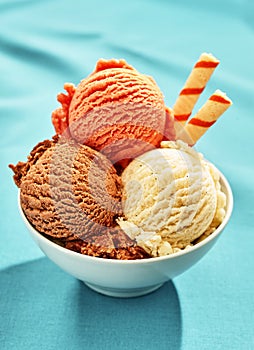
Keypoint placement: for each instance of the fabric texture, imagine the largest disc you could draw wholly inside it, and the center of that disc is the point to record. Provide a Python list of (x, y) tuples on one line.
[(44, 44)]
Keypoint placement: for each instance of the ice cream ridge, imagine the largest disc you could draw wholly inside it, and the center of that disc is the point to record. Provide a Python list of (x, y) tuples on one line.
[(121, 178)]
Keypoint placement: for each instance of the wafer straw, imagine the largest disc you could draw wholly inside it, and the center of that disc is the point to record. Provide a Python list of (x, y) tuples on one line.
[(194, 86), (214, 107)]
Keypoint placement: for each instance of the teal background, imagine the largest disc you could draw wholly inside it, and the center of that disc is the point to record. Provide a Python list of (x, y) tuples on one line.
[(43, 44)]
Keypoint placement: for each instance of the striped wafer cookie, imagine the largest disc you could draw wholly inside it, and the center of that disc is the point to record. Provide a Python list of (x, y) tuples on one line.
[(194, 86), (214, 107)]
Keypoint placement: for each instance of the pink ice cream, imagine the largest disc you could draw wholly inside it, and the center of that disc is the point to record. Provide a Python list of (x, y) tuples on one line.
[(115, 110)]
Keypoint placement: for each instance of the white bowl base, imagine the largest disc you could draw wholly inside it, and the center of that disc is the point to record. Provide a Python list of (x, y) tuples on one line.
[(123, 293)]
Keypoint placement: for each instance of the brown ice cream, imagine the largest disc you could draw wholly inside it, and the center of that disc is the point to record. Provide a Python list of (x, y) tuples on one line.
[(71, 192)]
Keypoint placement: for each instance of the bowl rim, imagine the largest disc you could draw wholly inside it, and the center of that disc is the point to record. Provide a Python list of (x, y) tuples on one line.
[(229, 205)]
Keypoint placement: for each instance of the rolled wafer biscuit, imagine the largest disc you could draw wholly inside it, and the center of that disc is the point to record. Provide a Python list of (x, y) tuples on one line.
[(194, 86), (214, 107)]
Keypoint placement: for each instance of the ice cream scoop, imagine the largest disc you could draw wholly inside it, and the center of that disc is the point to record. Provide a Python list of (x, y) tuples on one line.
[(68, 190), (170, 198), (115, 110), (71, 193)]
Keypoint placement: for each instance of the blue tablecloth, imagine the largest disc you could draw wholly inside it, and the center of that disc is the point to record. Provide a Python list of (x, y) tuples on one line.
[(46, 43)]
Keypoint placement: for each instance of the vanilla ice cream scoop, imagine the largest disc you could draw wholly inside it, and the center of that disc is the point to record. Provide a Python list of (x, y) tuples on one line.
[(169, 198)]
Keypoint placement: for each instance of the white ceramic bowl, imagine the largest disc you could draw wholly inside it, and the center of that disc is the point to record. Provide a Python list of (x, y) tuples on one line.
[(120, 278)]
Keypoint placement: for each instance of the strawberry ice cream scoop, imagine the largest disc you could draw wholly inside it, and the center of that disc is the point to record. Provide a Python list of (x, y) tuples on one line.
[(115, 110)]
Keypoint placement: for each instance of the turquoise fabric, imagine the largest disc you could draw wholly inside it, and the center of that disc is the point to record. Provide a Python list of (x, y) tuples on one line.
[(43, 44)]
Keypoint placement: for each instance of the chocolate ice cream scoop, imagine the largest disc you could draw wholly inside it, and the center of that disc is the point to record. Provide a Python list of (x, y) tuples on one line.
[(68, 190), (71, 193)]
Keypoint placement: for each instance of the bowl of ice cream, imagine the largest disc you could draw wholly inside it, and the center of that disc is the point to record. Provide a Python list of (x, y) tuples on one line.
[(129, 278), (119, 198), (171, 209)]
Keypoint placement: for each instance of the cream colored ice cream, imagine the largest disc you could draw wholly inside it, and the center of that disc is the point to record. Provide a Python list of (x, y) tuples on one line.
[(171, 197)]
